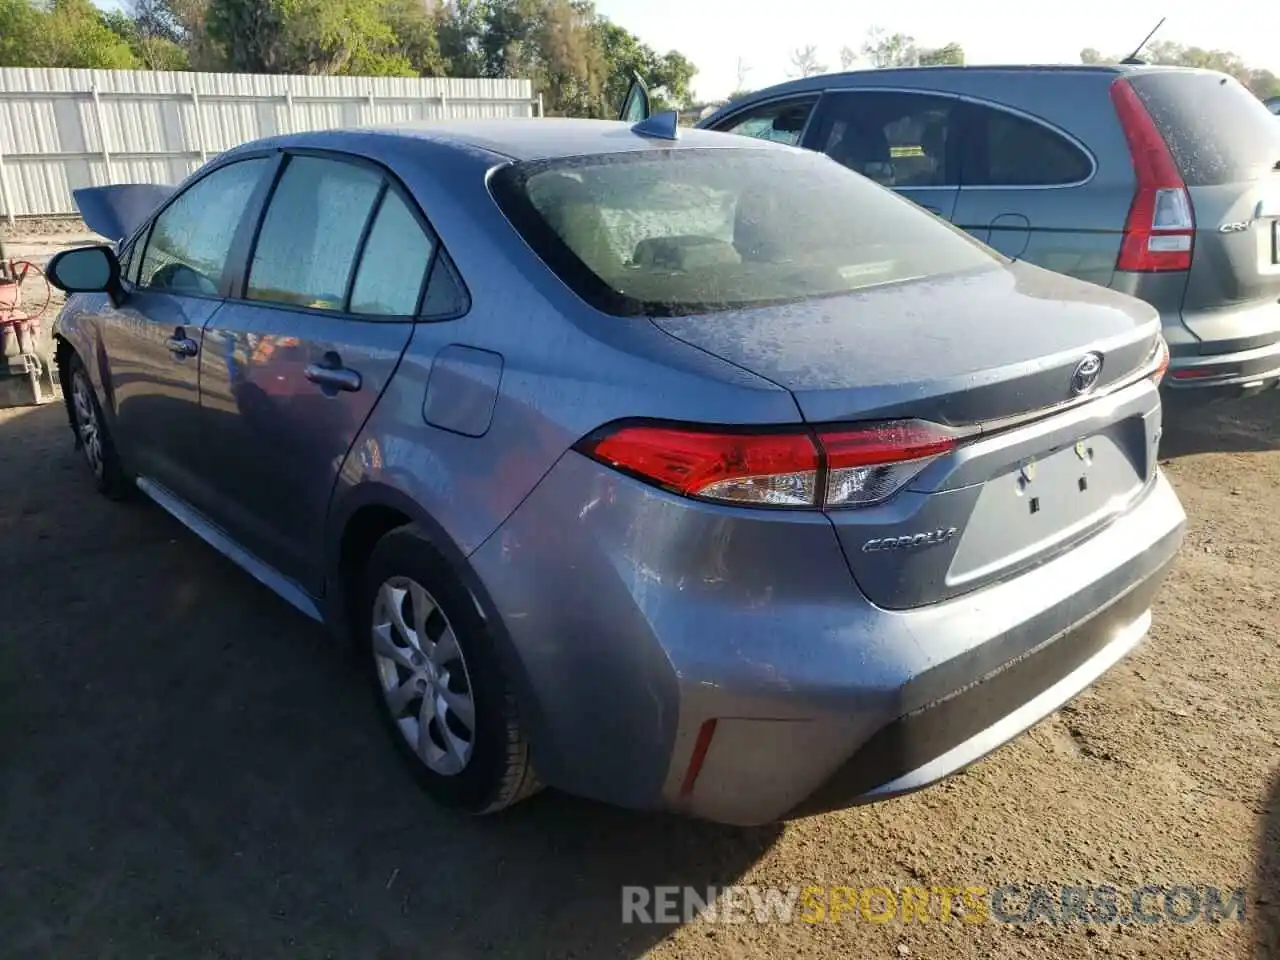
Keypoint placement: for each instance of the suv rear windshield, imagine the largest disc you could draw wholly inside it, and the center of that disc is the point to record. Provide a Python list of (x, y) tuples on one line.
[(1217, 131), (685, 231)]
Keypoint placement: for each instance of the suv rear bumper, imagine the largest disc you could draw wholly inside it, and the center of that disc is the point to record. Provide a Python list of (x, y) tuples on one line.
[(1225, 375)]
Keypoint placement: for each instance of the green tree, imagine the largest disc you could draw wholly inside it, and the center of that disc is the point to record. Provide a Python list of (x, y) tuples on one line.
[(152, 51), (893, 50), (460, 27), (306, 36), (416, 38), (20, 24), (62, 33), (951, 54), (1263, 83)]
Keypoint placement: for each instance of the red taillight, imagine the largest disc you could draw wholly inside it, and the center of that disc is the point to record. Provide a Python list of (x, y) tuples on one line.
[(1160, 231), (852, 466), (778, 469)]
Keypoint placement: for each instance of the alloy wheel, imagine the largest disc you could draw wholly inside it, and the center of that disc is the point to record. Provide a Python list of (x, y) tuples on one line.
[(87, 426), (423, 676)]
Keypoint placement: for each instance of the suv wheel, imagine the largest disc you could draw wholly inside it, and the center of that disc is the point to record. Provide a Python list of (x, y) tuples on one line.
[(438, 680)]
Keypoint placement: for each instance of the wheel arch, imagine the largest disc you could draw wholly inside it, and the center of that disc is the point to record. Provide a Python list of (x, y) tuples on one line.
[(357, 521)]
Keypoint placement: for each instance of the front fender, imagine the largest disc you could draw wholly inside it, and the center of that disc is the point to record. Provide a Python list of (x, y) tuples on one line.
[(77, 327)]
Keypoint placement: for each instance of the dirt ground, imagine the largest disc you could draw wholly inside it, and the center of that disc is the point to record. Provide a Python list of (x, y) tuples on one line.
[(189, 769)]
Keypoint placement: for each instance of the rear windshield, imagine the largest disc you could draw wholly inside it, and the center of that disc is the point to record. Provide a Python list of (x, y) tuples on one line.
[(677, 232), (1217, 131)]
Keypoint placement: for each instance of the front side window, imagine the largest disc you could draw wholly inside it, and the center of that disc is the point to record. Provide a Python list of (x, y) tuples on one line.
[(129, 261), (780, 122), (895, 139), (310, 236), (189, 242), (1011, 151), (394, 262), (683, 231)]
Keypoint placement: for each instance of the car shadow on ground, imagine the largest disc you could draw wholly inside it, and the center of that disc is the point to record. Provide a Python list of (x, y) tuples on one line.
[(1267, 882), (192, 769), (1250, 425)]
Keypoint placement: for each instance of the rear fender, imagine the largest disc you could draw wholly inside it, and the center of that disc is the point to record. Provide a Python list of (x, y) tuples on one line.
[(337, 600)]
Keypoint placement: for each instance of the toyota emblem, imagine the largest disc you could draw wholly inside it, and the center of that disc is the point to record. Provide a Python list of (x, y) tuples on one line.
[(1085, 376)]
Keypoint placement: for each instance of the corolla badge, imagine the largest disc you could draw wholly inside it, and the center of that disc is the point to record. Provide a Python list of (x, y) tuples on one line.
[(1085, 376), (910, 542)]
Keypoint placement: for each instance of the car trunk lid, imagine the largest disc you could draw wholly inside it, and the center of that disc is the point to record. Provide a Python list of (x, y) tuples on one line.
[(991, 357)]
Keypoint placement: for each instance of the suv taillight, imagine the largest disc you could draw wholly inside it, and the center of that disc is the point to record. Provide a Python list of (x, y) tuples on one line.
[(1160, 231), (796, 468)]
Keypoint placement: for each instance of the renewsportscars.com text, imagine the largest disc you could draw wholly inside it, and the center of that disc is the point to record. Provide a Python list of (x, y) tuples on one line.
[(972, 903)]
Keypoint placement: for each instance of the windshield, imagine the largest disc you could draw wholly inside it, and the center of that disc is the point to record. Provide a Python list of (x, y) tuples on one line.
[(676, 232)]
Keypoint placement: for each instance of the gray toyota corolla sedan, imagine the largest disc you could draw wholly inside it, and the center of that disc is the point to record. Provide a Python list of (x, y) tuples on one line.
[(677, 471)]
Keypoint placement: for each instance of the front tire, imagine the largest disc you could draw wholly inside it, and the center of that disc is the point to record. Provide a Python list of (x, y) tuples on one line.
[(93, 438), (440, 687)]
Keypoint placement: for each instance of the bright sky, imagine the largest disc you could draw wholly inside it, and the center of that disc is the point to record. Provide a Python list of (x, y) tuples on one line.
[(714, 34)]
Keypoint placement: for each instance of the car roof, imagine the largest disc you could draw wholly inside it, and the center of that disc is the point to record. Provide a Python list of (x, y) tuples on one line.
[(886, 76), (528, 138)]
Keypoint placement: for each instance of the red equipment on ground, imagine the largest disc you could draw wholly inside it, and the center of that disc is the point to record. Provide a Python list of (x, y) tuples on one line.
[(26, 370)]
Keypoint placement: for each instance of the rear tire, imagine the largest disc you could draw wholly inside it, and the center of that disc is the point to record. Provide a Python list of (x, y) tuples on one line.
[(93, 438), (438, 682)]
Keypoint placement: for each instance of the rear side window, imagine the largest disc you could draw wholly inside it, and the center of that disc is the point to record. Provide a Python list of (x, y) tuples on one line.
[(1006, 150), (685, 231), (308, 242), (190, 240), (896, 139), (781, 122), (394, 263), (1217, 131)]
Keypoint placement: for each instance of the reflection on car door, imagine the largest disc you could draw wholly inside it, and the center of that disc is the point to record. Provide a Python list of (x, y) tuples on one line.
[(152, 339), (296, 360), (1023, 191), (905, 141)]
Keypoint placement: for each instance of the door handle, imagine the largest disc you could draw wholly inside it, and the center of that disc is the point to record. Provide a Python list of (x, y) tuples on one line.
[(180, 345), (333, 378)]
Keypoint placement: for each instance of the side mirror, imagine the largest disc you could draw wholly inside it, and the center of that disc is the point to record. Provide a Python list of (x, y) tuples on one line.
[(635, 105), (85, 270)]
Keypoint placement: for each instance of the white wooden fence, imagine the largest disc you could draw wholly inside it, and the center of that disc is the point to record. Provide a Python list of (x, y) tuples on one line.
[(65, 129)]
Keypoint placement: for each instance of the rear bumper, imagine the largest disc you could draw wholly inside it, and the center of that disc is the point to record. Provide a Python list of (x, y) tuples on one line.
[(945, 736), (722, 662), (1224, 375)]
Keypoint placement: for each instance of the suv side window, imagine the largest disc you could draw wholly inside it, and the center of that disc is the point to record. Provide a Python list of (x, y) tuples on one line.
[(1006, 150), (896, 139), (190, 239), (307, 246), (394, 262), (782, 121)]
